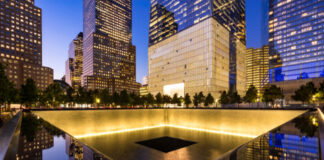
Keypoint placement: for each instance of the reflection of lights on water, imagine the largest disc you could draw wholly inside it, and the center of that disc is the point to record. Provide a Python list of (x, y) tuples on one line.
[(320, 113), (118, 131), (314, 121), (167, 125)]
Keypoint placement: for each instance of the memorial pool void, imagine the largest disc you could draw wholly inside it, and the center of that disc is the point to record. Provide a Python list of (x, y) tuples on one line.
[(167, 133)]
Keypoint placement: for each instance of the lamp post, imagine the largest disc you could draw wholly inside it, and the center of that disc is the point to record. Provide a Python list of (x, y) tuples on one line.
[(97, 101)]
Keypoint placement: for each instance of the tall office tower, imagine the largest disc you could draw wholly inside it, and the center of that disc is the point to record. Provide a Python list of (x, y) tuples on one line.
[(264, 22), (296, 32), (196, 45), (257, 68), (73, 66), (21, 43), (109, 56)]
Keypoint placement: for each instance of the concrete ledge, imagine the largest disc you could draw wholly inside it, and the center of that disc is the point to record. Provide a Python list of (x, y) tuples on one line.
[(9, 135)]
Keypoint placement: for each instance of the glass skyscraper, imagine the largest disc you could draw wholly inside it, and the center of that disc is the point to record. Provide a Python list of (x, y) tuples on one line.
[(109, 56), (169, 17), (296, 42)]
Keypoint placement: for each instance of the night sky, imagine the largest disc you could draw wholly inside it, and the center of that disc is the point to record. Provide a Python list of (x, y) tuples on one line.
[(62, 21)]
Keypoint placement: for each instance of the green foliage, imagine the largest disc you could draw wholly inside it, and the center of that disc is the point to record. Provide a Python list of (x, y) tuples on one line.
[(209, 100), (159, 99), (195, 100), (124, 98), (54, 94), (187, 100), (251, 94), (105, 97), (223, 98), (166, 99), (116, 98), (8, 93), (230, 97), (28, 93), (69, 96), (271, 94), (233, 96), (135, 99), (305, 93), (176, 100), (149, 100)]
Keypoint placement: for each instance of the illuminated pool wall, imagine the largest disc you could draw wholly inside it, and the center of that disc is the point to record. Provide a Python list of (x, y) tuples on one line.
[(237, 122)]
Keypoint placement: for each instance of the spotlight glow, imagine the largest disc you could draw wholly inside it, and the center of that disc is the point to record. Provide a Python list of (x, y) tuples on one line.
[(167, 125), (118, 131), (320, 113)]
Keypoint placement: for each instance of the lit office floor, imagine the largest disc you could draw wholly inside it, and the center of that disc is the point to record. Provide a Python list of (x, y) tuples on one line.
[(164, 143)]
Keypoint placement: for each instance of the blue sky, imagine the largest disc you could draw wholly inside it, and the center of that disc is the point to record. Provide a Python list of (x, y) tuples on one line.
[(62, 21)]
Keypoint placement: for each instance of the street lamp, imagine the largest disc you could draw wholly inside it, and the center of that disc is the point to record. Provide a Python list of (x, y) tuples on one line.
[(97, 100)]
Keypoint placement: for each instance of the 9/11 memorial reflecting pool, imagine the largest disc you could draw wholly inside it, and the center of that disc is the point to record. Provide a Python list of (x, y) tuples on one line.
[(174, 134)]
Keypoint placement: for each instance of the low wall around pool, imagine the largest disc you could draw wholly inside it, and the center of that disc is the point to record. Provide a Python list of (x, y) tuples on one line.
[(250, 123)]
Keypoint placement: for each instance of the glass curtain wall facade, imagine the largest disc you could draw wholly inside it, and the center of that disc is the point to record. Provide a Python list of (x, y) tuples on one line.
[(169, 17), (109, 56), (257, 68), (21, 43), (296, 39), (73, 68)]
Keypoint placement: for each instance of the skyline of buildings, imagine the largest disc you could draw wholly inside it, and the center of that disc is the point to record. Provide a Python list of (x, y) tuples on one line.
[(106, 58), (21, 43)]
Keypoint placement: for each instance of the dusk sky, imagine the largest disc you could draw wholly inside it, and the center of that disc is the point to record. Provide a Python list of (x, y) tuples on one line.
[(62, 21)]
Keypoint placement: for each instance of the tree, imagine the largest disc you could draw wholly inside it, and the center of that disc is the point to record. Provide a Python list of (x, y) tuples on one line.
[(187, 100), (116, 98), (223, 98), (28, 93), (105, 97), (305, 93), (209, 100), (233, 96), (201, 97), (251, 94), (69, 97), (176, 100), (54, 94), (271, 94), (8, 93), (149, 99), (124, 98), (134, 99), (166, 99), (81, 96), (196, 99), (158, 99)]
